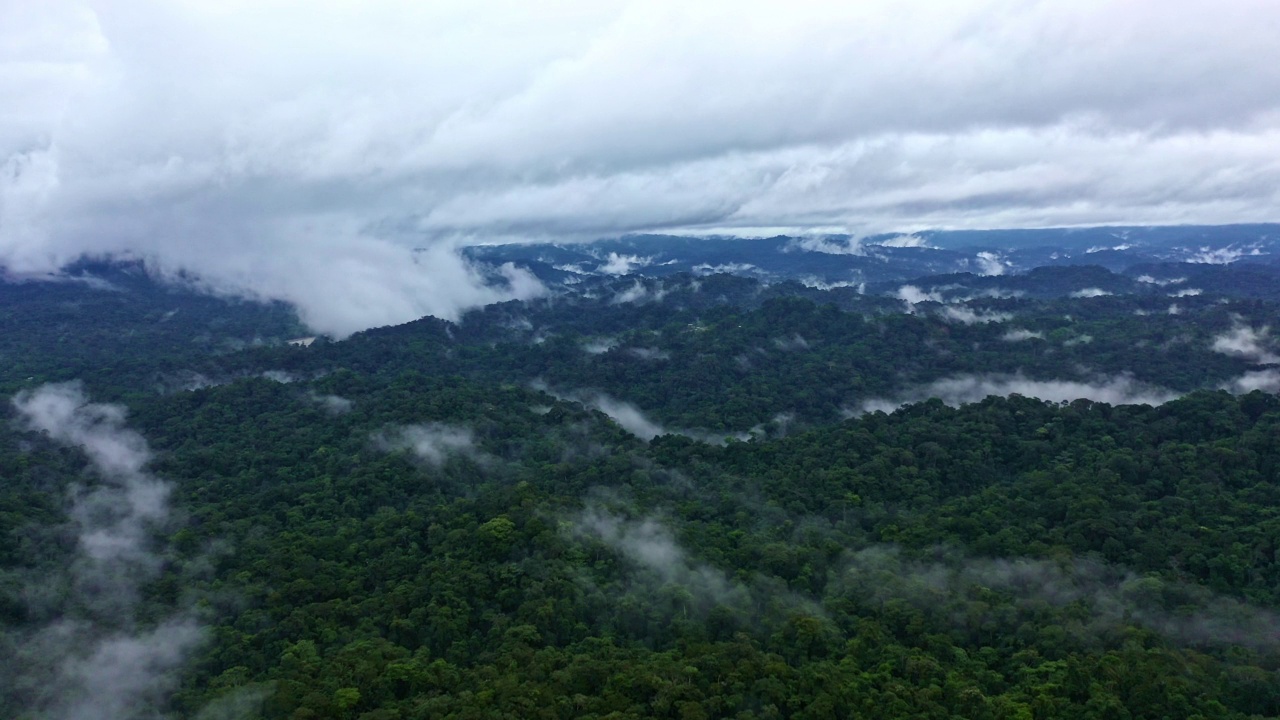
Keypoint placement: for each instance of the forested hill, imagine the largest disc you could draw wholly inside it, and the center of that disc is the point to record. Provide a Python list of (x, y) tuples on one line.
[(688, 496)]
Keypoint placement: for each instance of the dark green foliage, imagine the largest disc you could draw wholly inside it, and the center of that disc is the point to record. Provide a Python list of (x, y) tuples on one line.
[(1007, 559)]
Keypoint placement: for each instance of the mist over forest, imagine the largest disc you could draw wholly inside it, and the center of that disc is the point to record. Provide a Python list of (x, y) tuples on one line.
[(615, 360), (671, 484)]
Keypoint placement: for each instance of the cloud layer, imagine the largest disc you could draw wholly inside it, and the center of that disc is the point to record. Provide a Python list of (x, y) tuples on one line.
[(302, 152)]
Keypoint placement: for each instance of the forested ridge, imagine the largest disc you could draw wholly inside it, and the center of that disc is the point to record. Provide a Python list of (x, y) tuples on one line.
[(442, 520)]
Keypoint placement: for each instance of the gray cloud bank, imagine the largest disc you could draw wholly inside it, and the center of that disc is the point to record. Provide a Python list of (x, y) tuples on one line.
[(304, 155), (94, 659)]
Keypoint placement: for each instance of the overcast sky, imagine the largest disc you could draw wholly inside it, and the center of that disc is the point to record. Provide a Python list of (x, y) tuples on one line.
[(298, 150)]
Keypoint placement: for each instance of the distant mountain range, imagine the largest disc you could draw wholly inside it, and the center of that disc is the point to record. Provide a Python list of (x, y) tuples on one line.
[(1235, 260)]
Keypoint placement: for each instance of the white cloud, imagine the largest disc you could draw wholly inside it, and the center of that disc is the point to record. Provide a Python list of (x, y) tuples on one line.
[(100, 658), (1245, 342), (819, 284), (433, 443), (990, 263), (730, 268), (1186, 292), (1090, 293), (1156, 281), (912, 295), (332, 404), (1221, 256), (828, 246), (1020, 335), (623, 264), (627, 416), (904, 241), (650, 545), (301, 154), (638, 293), (969, 316), (1264, 380), (964, 389)]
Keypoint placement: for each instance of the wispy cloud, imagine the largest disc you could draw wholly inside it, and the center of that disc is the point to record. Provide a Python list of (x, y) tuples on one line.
[(969, 316), (963, 389), (1244, 342), (1092, 292), (1021, 334), (99, 658), (1109, 596), (432, 443)]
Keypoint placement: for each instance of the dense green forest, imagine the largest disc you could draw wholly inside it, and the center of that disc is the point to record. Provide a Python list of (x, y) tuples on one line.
[(456, 520)]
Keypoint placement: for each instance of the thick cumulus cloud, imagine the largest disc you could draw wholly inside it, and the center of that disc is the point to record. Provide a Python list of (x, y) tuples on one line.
[(303, 151)]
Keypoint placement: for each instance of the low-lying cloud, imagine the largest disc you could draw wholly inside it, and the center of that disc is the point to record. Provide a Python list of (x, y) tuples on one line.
[(96, 657), (1243, 341), (432, 443), (627, 416), (1092, 292), (968, 316), (964, 389), (1111, 596), (650, 545), (1021, 334)]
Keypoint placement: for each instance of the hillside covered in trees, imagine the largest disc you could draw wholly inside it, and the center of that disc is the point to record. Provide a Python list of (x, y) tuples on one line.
[(697, 495)]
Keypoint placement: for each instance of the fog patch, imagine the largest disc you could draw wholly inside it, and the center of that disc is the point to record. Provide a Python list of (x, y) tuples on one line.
[(790, 344), (1221, 256), (1157, 281), (730, 268), (912, 296), (95, 657), (965, 389), (1243, 341), (332, 404), (969, 316), (650, 545), (279, 376), (1021, 334), (826, 245), (638, 293), (1112, 596), (1264, 380), (816, 283), (903, 241), (1092, 292), (627, 416), (432, 443), (990, 263), (599, 346), (648, 353), (617, 264)]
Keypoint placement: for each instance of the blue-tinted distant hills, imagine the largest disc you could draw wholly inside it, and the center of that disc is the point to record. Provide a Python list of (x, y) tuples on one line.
[(1215, 253)]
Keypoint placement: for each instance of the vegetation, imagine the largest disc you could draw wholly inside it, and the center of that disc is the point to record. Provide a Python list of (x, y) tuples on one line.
[(411, 529)]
